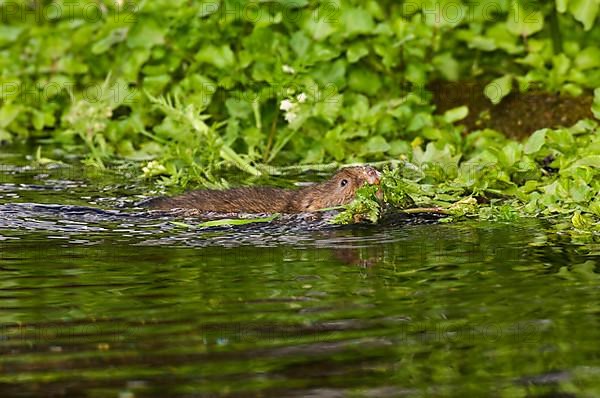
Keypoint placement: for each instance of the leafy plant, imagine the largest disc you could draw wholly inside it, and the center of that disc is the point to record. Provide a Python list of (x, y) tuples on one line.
[(192, 91), (555, 172)]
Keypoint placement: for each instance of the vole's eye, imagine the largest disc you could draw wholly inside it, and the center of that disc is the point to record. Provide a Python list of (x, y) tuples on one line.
[(344, 182)]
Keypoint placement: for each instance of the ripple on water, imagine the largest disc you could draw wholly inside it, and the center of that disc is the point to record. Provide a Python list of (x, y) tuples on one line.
[(112, 300), (301, 229)]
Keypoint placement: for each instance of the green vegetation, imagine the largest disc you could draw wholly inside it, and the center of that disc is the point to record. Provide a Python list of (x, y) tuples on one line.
[(226, 222), (554, 172), (189, 91)]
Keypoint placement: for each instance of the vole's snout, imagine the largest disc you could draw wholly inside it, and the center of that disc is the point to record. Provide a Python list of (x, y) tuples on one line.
[(373, 176)]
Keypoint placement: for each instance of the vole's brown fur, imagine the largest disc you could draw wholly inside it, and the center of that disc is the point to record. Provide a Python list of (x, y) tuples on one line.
[(338, 190)]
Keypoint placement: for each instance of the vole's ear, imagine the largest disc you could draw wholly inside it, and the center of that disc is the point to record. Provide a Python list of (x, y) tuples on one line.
[(373, 176)]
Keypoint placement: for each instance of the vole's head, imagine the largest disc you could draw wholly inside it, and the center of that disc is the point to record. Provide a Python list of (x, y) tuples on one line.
[(341, 188)]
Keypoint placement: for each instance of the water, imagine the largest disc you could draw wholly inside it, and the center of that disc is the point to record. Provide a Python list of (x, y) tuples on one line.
[(103, 300)]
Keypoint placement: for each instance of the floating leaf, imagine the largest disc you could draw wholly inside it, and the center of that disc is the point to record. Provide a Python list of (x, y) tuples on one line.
[(181, 224), (237, 221)]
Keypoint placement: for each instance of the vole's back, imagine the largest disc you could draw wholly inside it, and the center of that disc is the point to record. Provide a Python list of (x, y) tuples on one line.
[(340, 189), (248, 200)]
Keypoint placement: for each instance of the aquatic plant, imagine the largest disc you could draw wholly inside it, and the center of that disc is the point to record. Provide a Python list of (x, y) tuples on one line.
[(555, 172), (188, 91)]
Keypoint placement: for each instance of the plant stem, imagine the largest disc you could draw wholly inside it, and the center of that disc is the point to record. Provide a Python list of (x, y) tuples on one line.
[(434, 210), (557, 44), (270, 140)]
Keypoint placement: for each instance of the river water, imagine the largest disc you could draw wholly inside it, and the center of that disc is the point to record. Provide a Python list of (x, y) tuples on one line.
[(101, 299)]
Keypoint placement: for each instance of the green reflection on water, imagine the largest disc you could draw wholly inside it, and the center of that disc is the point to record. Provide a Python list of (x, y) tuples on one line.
[(116, 305), (428, 309)]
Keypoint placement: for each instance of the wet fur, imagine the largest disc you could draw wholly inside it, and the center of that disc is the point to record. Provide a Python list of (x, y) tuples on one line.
[(247, 200), (329, 193)]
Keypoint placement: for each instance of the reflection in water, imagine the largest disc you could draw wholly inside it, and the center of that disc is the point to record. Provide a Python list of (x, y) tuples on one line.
[(103, 302)]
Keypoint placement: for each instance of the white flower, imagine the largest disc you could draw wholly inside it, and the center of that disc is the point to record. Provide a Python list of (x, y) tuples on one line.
[(290, 116), (286, 105), (301, 98), (288, 69)]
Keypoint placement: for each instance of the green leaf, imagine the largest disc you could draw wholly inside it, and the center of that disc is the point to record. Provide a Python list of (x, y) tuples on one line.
[(377, 144), (322, 22), (292, 4), (585, 11), (115, 36), (596, 103), (365, 207), (588, 58), (237, 221), (503, 38), (419, 121), (444, 13), (524, 21), (465, 206), (498, 88), (329, 109), (456, 114), (38, 119), (535, 142), (300, 43), (9, 34), (222, 57), (510, 154), (331, 74), (357, 21), (238, 108), (5, 136), (356, 51), (561, 5), (231, 156), (364, 81), (8, 113), (591, 161), (581, 221), (181, 224), (156, 84), (147, 33), (447, 65)]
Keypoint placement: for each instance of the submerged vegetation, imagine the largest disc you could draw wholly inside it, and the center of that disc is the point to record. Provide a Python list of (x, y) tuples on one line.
[(189, 91)]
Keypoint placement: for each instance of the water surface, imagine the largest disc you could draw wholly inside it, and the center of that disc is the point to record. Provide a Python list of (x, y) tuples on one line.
[(100, 299)]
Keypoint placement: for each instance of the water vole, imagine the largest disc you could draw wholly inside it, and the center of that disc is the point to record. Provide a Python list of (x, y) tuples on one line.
[(338, 190)]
